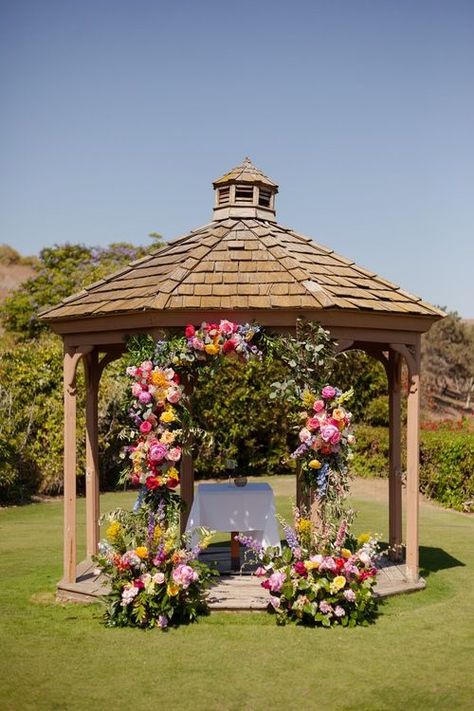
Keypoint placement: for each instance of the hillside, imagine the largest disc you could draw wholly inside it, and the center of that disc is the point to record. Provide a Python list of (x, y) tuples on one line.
[(14, 269)]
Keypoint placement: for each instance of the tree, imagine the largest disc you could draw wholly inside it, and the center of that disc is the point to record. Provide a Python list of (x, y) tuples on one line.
[(448, 357), (61, 270)]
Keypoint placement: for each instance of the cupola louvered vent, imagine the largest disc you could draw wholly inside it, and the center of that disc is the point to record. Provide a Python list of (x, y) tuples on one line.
[(224, 194), (244, 194), (264, 197)]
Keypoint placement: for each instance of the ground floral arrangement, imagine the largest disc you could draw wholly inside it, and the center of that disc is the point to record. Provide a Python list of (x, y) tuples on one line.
[(322, 576)]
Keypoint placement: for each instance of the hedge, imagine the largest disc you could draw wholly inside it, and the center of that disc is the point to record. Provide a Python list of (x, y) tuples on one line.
[(446, 463)]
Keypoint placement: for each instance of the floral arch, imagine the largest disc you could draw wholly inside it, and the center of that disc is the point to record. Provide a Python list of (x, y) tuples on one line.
[(162, 420)]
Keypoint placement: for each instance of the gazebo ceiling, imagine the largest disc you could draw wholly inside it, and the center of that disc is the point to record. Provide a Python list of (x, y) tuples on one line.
[(241, 260)]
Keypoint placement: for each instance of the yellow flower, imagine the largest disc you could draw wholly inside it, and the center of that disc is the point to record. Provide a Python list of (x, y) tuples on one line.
[(173, 473), (157, 534), (167, 416), (363, 538), (311, 564), (339, 413), (339, 582), (315, 464), (345, 552), (172, 589), (141, 551), (114, 531), (211, 348), (160, 394), (308, 398), (304, 526), (159, 378)]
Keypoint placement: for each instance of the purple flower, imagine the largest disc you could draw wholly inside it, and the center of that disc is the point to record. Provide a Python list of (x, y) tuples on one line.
[(162, 622), (157, 452), (250, 543), (276, 581), (144, 397), (275, 602), (328, 392)]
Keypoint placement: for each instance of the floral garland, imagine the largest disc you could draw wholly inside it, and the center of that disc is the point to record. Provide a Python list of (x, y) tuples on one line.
[(158, 397)]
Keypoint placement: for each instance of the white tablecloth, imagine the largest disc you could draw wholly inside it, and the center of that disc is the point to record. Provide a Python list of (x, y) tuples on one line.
[(226, 507)]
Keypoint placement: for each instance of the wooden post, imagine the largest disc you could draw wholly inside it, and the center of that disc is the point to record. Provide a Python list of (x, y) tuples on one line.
[(234, 551), (71, 359), (91, 366), (187, 487), (395, 470), (413, 455)]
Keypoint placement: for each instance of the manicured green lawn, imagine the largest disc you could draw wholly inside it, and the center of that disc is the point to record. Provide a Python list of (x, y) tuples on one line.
[(419, 654)]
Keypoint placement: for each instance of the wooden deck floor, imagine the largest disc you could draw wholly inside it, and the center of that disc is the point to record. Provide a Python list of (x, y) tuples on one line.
[(233, 591)]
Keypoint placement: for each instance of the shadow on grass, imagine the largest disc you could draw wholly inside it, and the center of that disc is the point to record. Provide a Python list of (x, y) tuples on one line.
[(434, 559)]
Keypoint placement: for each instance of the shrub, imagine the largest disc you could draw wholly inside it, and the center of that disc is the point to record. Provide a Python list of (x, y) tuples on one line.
[(376, 413)]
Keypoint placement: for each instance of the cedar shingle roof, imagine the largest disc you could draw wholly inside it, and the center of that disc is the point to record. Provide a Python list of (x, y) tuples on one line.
[(241, 263), (245, 173)]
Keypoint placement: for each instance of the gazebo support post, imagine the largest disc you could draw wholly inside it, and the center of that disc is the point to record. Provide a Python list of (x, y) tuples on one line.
[(92, 372), (395, 481), (71, 359), (413, 456), (187, 487)]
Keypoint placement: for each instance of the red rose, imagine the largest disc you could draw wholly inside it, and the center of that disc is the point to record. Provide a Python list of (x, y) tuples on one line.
[(152, 483), (189, 331), (176, 379), (340, 562), (229, 345), (266, 584), (135, 480), (139, 584), (172, 483), (300, 568)]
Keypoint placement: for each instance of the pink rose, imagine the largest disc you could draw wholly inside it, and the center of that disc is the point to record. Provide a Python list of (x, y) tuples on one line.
[(304, 435), (226, 327), (260, 572), (328, 563), (147, 366), (313, 423), (136, 389), (174, 395), (318, 405), (329, 431), (276, 581), (169, 373), (189, 331), (275, 602), (157, 452), (145, 427), (145, 397), (174, 454), (197, 344), (158, 578), (184, 575), (328, 392), (336, 438), (132, 370)]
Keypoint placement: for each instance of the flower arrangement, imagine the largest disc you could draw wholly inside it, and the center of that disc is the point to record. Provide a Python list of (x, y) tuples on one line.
[(326, 437), (324, 586), (156, 580)]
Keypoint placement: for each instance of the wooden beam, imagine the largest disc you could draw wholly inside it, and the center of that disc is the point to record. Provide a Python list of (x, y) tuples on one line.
[(413, 456), (187, 487), (395, 467)]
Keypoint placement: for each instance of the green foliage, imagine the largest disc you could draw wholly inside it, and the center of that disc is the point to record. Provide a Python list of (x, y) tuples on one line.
[(61, 271), (376, 412), (365, 374), (447, 468), (31, 420), (234, 407), (446, 463)]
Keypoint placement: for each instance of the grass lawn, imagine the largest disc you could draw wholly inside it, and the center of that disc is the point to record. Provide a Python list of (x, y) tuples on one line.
[(418, 655)]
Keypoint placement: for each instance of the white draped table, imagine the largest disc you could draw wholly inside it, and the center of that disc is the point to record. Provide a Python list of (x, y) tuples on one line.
[(226, 507)]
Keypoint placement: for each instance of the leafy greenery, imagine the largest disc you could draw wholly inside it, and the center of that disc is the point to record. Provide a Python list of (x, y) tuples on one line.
[(446, 462), (233, 661)]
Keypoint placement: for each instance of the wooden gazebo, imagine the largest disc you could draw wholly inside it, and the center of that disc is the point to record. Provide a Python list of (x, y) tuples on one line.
[(243, 266)]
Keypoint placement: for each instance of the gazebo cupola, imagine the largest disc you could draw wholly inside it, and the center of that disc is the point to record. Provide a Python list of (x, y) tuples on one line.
[(245, 192)]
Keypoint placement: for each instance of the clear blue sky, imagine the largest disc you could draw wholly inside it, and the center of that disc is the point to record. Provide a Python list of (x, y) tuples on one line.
[(116, 116)]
